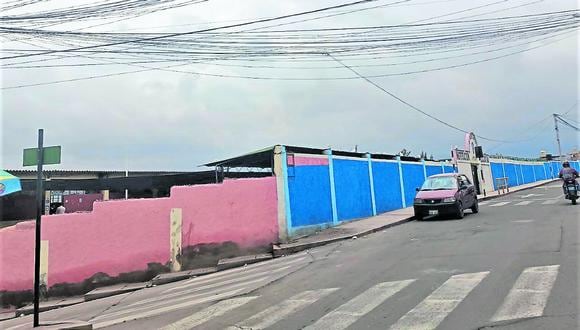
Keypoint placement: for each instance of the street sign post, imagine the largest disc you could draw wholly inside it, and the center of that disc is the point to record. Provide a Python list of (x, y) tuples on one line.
[(49, 156)]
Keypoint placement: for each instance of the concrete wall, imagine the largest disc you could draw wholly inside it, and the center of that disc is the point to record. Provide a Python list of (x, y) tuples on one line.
[(522, 172), (325, 190), (125, 236)]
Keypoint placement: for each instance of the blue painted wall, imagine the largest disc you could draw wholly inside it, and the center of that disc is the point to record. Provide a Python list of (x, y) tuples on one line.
[(496, 172), (575, 165), (309, 188), (353, 194), (528, 171), (387, 188), (510, 172), (548, 166), (556, 168), (413, 178), (539, 170), (432, 170)]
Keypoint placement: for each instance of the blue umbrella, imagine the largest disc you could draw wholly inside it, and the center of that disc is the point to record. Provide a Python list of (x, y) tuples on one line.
[(8, 183)]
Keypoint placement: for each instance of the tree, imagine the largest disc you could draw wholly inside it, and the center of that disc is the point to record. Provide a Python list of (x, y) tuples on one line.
[(404, 153)]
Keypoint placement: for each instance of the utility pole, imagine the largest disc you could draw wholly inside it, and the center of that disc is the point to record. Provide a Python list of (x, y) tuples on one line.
[(557, 136)]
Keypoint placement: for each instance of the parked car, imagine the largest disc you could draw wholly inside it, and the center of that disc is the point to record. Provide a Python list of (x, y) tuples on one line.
[(445, 194)]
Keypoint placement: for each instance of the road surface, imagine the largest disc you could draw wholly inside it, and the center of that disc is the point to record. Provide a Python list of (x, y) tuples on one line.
[(512, 266)]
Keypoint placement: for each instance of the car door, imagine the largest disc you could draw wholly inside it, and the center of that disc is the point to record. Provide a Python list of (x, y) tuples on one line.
[(461, 193), (470, 194)]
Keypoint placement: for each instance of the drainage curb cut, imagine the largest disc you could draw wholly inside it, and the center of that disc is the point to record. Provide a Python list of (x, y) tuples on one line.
[(243, 260), (108, 292), (175, 277)]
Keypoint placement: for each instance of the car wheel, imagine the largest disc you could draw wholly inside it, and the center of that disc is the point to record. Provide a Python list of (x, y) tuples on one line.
[(460, 214), (475, 207), (418, 216)]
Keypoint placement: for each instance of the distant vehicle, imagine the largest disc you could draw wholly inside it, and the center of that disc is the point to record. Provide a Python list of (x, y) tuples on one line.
[(445, 194), (569, 176), (571, 189)]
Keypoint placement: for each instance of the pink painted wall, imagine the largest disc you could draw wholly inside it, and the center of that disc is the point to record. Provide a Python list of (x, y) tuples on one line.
[(305, 161), (123, 236)]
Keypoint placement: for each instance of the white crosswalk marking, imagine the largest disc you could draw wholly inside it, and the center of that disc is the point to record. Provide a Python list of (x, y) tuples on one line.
[(209, 313), (529, 295), (277, 313), (499, 204), (483, 203), (360, 305), (208, 284), (524, 203), (433, 309), (165, 309), (550, 202), (176, 302)]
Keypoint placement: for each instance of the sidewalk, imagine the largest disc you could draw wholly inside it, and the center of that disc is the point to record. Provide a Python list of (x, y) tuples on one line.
[(370, 225)]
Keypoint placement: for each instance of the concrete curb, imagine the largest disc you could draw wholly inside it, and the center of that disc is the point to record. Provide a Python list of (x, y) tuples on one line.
[(7, 316), (47, 306), (179, 276), (285, 249), (66, 325), (113, 291), (243, 260)]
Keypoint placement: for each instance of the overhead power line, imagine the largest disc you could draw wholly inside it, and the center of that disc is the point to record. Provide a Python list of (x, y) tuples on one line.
[(140, 40), (407, 103)]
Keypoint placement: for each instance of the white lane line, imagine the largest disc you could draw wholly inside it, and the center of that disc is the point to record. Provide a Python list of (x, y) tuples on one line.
[(499, 204), (274, 314), (524, 203), (208, 313), (483, 203), (211, 277), (550, 202), (351, 311), (166, 309), (435, 308), (529, 295), (177, 301), (208, 284)]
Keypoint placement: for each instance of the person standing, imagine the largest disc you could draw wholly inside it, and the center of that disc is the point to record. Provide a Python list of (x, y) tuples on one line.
[(60, 209)]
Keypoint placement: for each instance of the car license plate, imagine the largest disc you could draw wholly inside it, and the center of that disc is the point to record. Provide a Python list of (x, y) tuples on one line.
[(433, 212)]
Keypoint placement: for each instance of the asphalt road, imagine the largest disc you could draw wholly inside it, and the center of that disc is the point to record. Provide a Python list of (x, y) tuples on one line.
[(512, 266)]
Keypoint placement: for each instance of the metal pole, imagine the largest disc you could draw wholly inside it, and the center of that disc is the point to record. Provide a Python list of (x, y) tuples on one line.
[(558, 137), (39, 202), (126, 175)]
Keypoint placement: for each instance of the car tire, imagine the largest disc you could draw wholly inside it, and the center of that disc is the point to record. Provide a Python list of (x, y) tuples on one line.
[(475, 207), (573, 201), (418, 217), (459, 213)]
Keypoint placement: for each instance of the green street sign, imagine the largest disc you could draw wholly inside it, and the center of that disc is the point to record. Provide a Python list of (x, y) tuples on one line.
[(51, 156)]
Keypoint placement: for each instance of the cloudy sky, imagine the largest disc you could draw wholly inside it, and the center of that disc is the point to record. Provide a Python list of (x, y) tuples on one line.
[(172, 121)]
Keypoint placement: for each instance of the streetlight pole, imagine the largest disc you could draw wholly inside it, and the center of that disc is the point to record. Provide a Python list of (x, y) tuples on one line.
[(558, 137)]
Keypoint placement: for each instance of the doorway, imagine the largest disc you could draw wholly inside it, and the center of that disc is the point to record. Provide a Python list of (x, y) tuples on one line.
[(475, 177)]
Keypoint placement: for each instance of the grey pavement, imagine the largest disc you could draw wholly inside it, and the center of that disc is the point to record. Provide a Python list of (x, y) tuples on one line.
[(512, 266)]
